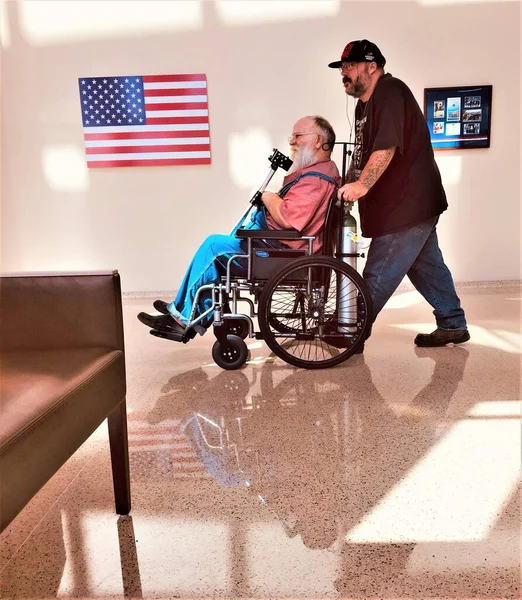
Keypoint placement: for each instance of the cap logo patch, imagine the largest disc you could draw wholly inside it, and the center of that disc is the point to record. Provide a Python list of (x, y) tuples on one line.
[(347, 50)]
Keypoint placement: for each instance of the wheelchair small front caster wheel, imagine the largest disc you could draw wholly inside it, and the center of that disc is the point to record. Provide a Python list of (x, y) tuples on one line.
[(231, 354)]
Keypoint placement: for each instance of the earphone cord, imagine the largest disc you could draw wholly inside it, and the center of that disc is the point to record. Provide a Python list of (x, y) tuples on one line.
[(350, 123)]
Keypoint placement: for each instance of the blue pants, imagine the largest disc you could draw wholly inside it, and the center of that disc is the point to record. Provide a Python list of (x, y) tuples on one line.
[(414, 252), (210, 264)]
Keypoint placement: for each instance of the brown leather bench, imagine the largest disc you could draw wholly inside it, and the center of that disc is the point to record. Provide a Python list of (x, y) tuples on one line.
[(62, 372)]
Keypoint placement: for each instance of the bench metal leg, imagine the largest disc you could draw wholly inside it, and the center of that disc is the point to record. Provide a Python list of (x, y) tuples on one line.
[(118, 440)]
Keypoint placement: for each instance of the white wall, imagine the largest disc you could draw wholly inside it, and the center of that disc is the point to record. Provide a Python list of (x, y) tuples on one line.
[(266, 66)]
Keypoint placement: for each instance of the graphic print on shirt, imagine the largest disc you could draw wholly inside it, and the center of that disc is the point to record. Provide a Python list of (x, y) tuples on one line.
[(358, 148)]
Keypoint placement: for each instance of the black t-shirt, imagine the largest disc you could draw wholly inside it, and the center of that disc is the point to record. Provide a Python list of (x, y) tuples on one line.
[(410, 190)]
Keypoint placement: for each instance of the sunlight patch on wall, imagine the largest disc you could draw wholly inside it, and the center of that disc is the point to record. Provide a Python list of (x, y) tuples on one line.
[(55, 21), (248, 152), (65, 168), (456, 492), (232, 12), (5, 34), (450, 168)]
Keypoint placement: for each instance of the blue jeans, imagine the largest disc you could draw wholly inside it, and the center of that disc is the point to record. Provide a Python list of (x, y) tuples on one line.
[(414, 252), (210, 264)]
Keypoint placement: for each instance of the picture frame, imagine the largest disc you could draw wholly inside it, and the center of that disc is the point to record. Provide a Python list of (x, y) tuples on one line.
[(459, 117)]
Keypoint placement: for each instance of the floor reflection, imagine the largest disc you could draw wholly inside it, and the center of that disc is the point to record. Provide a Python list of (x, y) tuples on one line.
[(37, 572), (270, 482), (61, 567), (318, 450)]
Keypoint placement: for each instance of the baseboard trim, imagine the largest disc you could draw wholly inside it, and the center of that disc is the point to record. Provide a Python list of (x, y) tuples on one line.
[(169, 294), (459, 285)]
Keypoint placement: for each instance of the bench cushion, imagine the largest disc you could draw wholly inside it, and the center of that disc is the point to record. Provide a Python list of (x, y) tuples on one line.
[(51, 402)]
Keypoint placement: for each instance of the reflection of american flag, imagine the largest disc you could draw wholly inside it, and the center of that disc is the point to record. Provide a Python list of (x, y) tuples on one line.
[(163, 449), (147, 120)]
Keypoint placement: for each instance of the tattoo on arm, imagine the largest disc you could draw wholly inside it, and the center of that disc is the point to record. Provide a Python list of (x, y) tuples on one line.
[(377, 164)]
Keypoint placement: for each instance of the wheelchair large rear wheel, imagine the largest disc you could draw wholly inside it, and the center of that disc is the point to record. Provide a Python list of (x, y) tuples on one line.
[(315, 312)]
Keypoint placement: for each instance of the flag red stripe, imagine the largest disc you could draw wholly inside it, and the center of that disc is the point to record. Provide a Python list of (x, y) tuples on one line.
[(176, 106), (167, 78), (146, 149), (188, 456), (141, 422), (148, 163), (145, 135), (176, 92), (175, 120)]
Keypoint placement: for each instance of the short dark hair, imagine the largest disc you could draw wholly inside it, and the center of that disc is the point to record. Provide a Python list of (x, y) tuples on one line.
[(326, 130)]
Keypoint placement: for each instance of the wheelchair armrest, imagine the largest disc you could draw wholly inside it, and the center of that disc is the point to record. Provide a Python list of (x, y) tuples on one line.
[(268, 234)]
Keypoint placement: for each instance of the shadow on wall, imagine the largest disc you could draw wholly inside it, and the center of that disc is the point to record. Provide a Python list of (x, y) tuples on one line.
[(67, 217), (264, 71)]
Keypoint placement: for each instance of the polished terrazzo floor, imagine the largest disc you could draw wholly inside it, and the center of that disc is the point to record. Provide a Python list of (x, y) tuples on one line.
[(395, 475)]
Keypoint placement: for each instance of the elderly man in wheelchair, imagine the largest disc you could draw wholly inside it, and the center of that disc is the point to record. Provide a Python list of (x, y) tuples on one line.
[(309, 312)]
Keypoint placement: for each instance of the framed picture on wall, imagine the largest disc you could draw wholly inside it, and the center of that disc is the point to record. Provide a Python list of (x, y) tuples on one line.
[(459, 117)]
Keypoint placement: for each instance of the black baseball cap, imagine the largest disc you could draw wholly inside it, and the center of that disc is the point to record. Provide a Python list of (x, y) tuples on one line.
[(360, 51)]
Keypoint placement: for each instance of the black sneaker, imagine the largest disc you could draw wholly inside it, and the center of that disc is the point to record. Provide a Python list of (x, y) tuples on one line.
[(161, 306), (172, 335), (442, 337), (161, 323)]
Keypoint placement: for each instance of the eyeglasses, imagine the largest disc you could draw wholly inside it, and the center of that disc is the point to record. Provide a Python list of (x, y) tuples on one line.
[(346, 66), (296, 135)]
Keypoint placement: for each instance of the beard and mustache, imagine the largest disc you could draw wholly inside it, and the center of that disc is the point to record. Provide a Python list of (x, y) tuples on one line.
[(302, 158), (360, 85), (357, 87)]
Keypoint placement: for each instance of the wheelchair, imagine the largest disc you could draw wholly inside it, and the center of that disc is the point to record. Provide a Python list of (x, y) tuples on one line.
[(313, 310)]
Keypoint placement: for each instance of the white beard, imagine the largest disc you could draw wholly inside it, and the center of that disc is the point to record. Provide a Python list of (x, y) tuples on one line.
[(302, 159)]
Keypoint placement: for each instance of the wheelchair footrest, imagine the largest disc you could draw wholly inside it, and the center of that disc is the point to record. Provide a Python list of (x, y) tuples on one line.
[(175, 337)]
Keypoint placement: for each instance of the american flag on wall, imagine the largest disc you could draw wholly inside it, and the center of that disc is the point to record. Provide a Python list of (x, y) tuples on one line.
[(145, 120)]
